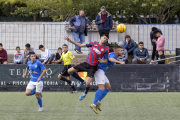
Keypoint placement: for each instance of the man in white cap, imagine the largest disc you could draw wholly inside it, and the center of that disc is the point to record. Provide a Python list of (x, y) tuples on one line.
[(104, 21)]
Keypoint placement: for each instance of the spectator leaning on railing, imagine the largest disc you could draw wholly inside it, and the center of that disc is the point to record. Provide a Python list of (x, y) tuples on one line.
[(141, 55), (124, 56), (152, 38), (79, 26), (46, 56), (3, 55), (159, 43), (104, 21), (18, 56), (129, 44)]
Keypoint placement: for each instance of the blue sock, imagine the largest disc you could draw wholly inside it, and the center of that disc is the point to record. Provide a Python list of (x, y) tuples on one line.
[(97, 96), (39, 102), (75, 75), (103, 94), (32, 92)]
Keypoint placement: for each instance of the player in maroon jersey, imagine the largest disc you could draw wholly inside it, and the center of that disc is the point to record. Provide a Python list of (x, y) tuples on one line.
[(98, 51)]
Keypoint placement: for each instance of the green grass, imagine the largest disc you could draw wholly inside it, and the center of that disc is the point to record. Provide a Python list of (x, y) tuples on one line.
[(66, 106)]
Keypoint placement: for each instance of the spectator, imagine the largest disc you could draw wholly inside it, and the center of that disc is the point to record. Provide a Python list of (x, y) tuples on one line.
[(79, 26), (3, 55), (124, 56), (153, 37), (104, 21), (18, 56), (27, 51), (129, 44), (46, 56), (58, 55), (141, 55), (161, 56), (109, 47), (159, 43)]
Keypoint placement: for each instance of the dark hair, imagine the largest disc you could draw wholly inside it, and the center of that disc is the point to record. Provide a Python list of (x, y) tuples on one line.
[(65, 45), (160, 50), (59, 48), (154, 28), (41, 46), (127, 36), (141, 43), (107, 44), (17, 47), (1, 44), (32, 53), (105, 35), (156, 31), (28, 45)]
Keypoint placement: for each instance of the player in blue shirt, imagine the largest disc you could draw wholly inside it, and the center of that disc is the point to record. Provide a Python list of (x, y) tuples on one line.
[(101, 79), (35, 67)]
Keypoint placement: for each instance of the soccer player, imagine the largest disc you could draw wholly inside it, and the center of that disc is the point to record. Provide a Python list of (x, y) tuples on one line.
[(101, 79), (98, 51), (67, 57), (35, 67)]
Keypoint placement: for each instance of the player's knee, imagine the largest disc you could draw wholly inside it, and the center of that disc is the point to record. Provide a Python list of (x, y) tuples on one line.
[(37, 95), (59, 76)]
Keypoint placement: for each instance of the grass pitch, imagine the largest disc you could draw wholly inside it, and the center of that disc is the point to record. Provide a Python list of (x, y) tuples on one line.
[(66, 106)]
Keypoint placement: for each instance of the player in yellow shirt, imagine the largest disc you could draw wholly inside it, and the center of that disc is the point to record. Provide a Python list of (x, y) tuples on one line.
[(67, 57)]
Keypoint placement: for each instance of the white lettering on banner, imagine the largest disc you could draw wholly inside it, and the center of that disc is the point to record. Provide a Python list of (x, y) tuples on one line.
[(20, 83), (50, 83), (3, 83), (18, 71), (11, 70)]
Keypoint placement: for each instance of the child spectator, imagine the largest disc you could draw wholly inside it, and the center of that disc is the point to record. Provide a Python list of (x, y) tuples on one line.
[(46, 56), (3, 55), (161, 56), (27, 51), (159, 43), (58, 55), (124, 56), (18, 56)]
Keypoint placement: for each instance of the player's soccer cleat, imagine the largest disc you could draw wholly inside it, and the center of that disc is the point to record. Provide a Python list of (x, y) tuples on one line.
[(82, 96), (74, 92), (40, 109), (99, 106), (82, 83), (94, 108)]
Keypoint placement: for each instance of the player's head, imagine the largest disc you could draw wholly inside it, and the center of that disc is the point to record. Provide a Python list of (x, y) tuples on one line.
[(157, 33), (160, 52), (28, 46), (65, 48), (18, 49), (153, 29), (81, 12), (118, 50), (104, 38), (128, 38), (59, 50), (32, 56), (1, 46), (41, 47), (141, 45)]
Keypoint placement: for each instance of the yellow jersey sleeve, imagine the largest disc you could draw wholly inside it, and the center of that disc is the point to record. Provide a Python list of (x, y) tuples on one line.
[(62, 56), (71, 55)]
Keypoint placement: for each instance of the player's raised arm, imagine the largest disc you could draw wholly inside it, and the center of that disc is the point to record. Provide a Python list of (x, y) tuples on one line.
[(75, 43), (116, 61), (103, 61)]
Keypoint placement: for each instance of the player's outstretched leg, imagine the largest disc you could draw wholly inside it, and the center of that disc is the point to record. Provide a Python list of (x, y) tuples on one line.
[(89, 79), (69, 82), (75, 75), (106, 90)]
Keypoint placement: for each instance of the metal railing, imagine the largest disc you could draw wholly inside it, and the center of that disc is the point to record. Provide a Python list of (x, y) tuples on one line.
[(166, 59)]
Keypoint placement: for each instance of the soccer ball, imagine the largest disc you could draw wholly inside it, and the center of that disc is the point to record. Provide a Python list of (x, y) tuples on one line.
[(121, 28)]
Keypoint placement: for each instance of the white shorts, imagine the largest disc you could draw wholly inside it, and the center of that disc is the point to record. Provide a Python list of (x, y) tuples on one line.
[(100, 77), (38, 85)]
